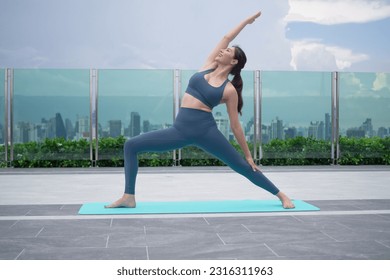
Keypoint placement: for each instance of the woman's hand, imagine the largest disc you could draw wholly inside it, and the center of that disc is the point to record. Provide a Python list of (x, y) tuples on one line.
[(253, 164), (252, 19)]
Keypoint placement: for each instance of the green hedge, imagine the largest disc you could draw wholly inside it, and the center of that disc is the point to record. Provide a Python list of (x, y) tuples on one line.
[(297, 151)]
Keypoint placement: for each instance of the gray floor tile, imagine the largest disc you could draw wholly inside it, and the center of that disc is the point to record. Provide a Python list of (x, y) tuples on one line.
[(116, 240), (345, 250), (13, 210), (211, 252), (252, 220), (280, 227), (362, 234), (9, 253), (334, 205), (182, 239), (7, 223), (75, 227), (273, 237), (55, 242), (18, 231), (371, 204), (129, 253), (164, 222), (377, 223), (193, 228), (384, 242)]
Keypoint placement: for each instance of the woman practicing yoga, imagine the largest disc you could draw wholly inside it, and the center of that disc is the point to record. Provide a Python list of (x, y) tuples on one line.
[(195, 125)]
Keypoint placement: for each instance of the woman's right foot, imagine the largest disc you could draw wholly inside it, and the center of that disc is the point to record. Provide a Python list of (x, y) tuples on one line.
[(127, 201), (286, 201)]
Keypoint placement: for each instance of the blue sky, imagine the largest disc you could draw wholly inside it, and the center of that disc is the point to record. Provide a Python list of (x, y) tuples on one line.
[(313, 35)]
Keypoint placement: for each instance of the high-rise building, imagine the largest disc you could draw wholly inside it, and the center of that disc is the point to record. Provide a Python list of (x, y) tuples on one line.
[(82, 128), (56, 127), (356, 132), (328, 127), (383, 132), (367, 127), (115, 127), (146, 126), (222, 124), (60, 127), (290, 133), (69, 129), (135, 124), (316, 130), (277, 129)]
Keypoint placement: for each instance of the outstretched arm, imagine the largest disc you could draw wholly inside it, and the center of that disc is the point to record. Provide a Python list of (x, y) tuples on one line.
[(224, 43), (231, 104)]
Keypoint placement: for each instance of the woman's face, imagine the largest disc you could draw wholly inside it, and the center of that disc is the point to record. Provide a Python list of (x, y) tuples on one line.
[(226, 56)]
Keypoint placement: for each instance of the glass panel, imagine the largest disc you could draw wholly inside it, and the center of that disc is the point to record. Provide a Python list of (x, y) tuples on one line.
[(2, 117), (132, 102), (194, 155), (364, 118), (296, 120), (51, 117)]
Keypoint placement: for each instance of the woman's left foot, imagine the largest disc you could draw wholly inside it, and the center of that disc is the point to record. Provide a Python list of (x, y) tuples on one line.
[(127, 201), (286, 201)]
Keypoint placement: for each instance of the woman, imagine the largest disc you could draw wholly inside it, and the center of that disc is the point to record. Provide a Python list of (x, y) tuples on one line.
[(195, 125)]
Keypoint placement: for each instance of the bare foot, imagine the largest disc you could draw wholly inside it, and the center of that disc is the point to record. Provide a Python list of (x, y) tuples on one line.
[(127, 200), (286, 201)]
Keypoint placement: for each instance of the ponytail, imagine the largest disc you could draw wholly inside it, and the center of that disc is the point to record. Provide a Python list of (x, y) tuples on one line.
[(236, 71), (238, 84)]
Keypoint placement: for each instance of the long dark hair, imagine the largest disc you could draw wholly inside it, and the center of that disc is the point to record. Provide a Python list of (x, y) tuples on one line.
[(236, 71)]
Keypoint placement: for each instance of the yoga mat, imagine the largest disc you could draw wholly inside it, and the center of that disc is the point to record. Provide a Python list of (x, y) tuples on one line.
[(186, 207)]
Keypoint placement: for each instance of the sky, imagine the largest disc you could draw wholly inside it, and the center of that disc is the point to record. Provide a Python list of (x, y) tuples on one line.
[(301, 35)]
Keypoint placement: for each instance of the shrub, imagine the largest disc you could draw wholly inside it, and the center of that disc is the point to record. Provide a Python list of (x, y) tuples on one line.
[(296, 151)]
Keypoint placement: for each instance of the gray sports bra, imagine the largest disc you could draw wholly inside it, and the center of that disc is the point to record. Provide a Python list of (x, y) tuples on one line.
[(199, 88)]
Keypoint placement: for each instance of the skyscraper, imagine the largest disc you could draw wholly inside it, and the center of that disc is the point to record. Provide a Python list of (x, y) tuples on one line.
[(277, 129), (135, 124), (115, 127), (328, 127), (368, 128), (83, 128), (222, 124), (60, 127)]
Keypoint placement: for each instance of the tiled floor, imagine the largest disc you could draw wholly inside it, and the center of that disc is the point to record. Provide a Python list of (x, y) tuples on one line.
[(57, 232), (39, 215)]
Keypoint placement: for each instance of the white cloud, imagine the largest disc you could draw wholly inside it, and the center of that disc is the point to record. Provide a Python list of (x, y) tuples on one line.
[(381, 82), (314, 55), (330, 12)]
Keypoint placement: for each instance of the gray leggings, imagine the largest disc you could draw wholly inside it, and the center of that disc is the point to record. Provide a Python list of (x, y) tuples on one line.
[(191, 127)]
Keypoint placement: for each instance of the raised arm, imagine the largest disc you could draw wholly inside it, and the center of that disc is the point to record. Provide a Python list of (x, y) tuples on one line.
[(224, 43)]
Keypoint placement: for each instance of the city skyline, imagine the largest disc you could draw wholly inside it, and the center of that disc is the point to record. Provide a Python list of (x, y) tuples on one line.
[(57, 126)]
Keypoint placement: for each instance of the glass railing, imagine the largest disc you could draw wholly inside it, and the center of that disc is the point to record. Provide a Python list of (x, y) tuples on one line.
[(51, 115), (132, 102), (364, 116), (288, 117), (296, 109)]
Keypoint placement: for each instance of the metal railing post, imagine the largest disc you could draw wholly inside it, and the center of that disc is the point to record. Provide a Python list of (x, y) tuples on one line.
[(9, 115), (257, 117), (5, 133), (335, 148), (176, 108), (93, 92)]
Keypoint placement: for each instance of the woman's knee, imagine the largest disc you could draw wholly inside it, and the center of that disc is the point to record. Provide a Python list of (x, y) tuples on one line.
[(129, 146)]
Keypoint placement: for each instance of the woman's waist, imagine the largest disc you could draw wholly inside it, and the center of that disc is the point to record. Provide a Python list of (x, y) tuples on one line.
[(192, 102)]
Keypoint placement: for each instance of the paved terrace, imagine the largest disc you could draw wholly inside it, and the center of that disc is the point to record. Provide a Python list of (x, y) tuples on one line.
[(39, 220)]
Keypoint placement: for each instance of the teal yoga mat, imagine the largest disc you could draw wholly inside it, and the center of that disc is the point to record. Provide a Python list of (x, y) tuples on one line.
[(187, 207)]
